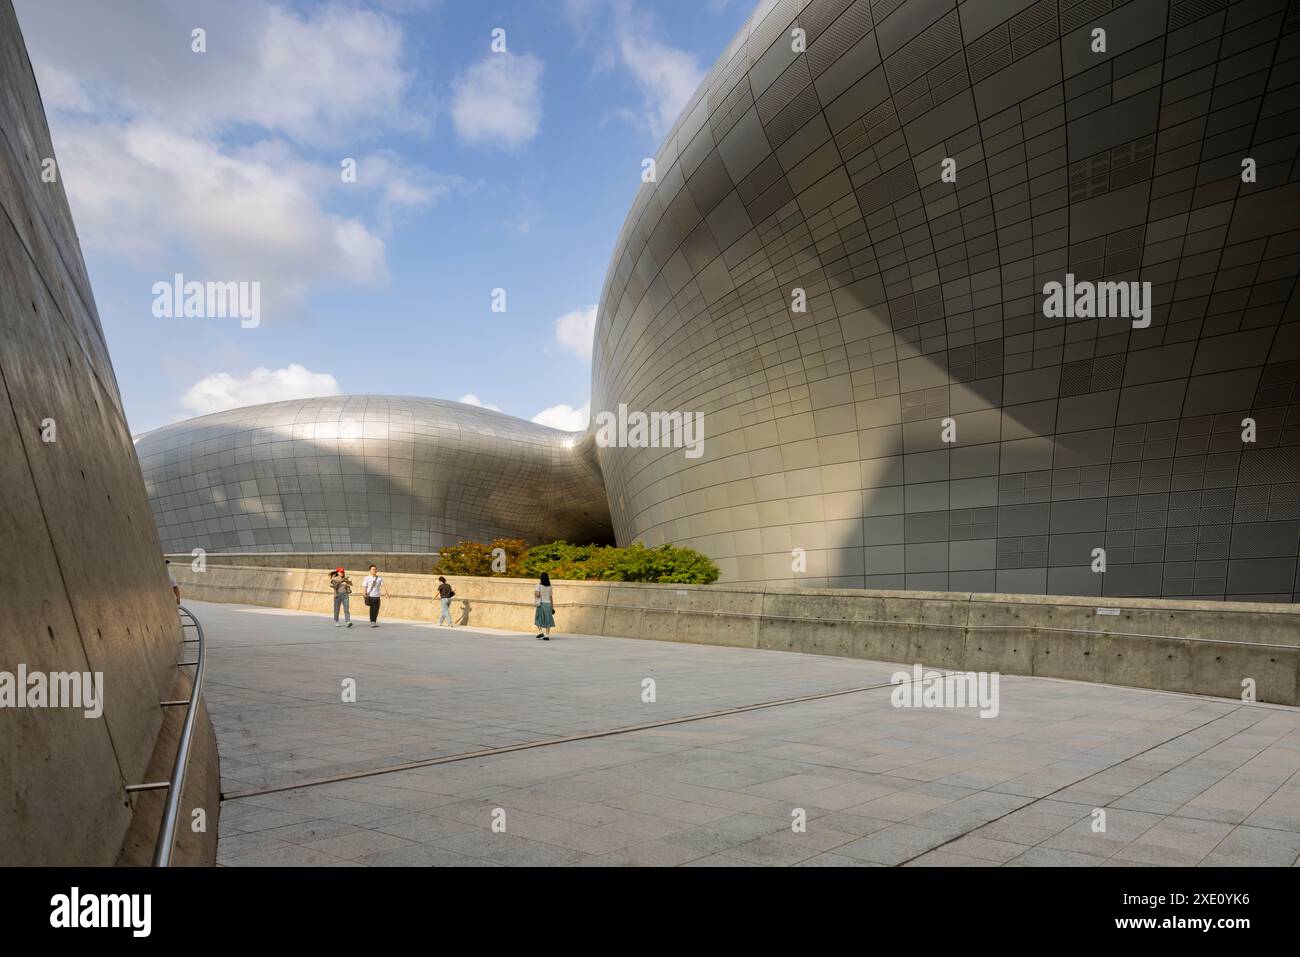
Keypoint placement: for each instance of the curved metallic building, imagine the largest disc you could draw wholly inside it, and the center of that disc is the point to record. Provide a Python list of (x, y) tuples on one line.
[(922, 422), (368, 473), (811, 159)]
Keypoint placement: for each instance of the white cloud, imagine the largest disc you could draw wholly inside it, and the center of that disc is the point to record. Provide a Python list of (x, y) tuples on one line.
[(221, 390), (576, 331), (402, 188), (469, 398), (330, 75), (327, 75), (666, 76), (143, 192), (498, 101), (621, 33), (197, 163), (564, 417), (60, 90)]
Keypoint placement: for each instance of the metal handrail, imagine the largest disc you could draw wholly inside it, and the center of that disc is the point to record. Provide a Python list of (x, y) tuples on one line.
[(162, 855)]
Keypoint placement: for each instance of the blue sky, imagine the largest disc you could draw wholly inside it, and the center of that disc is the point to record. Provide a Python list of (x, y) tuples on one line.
[(476, 170)]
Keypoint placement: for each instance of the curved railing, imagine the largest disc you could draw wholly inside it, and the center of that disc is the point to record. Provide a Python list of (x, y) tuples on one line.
[(162, 855)]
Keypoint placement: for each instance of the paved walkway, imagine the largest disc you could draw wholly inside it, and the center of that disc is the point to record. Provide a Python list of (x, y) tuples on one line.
[(1182, 780)]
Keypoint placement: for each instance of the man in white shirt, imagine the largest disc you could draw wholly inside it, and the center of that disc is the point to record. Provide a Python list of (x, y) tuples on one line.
[(373, 588)]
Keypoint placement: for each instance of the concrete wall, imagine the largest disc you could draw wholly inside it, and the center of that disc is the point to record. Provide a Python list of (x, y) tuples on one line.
[(86, 589), (1199, 647)]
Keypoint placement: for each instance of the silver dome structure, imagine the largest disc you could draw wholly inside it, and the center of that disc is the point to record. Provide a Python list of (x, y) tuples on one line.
[(368, 473)]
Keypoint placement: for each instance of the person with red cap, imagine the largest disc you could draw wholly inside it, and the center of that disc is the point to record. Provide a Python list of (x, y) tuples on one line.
[(342, 587)]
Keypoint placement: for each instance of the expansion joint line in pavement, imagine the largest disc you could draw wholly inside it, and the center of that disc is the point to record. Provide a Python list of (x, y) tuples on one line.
[(547, 742), (1066, 787)]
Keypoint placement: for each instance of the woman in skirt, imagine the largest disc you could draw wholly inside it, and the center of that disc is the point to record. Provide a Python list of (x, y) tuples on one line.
[(544, 615)]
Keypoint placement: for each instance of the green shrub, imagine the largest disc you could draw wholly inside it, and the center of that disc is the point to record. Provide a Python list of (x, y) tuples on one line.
[(474, 558), (564, 561), (636, 563)]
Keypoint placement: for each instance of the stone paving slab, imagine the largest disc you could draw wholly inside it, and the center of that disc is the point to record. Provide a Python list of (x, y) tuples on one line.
[(275, 695), (1183, 780)]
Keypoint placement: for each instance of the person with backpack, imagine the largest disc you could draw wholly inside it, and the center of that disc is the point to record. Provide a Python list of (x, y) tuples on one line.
[(544, 614), (374, 589), (341, 585), (445, 595)]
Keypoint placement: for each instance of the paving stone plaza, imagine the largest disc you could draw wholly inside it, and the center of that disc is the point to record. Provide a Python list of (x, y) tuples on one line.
[(1183, 780)]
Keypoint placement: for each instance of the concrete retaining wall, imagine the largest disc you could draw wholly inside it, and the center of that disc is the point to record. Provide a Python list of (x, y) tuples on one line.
[(87, 589), (1198, 647)]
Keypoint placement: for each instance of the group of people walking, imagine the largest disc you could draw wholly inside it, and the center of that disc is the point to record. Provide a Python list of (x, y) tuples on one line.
[(372, 587), (374, 591)]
